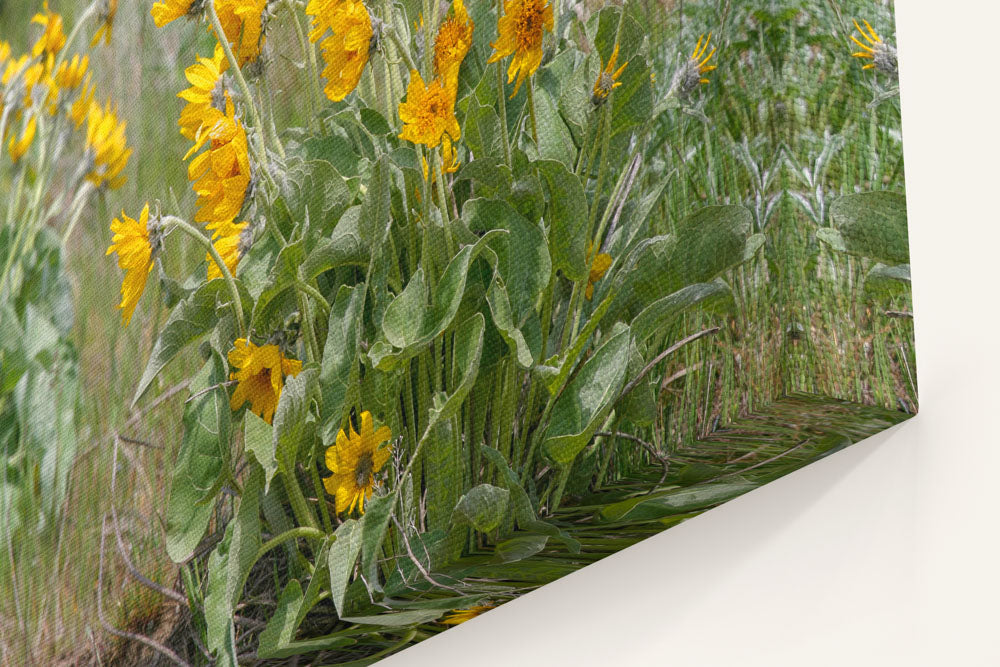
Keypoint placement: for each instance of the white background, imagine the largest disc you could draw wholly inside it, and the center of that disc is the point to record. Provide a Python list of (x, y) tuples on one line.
[(884, 554)]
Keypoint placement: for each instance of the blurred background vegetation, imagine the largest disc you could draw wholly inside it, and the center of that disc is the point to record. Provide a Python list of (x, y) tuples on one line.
[(788, 122)]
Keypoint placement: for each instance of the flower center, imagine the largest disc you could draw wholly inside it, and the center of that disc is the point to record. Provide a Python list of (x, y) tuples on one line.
[(363, 471), (529, 26)]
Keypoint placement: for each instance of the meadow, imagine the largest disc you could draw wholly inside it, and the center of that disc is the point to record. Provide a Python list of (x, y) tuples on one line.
[(471, 400)]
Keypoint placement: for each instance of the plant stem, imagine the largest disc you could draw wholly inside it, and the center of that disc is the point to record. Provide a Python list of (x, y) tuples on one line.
[(531, 109), (290, 534), (206, 243), (309, 55)]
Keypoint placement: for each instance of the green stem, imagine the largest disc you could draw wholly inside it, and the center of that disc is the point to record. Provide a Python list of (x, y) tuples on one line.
[(502, 99), (298, 501), (234, 293), (291, 534), (443, 204), (531, 109), (412, 66), (321, 301), (309, 54)]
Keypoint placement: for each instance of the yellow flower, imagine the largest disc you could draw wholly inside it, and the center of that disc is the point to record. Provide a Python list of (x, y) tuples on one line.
[(53, 38), (699, 51), (106, 138), (132, 241), (598, 268), (427, 113), (242, 23), (69, 74), (227, 243), (80, 108), (18, 147), (220, 175), (521, 28), (260, 374), (165, 11), (453, 41), (354, 459), (106, 17), (4, 51), (607, 80), (346, 49), (205, 99), (457, 616), (449, 161), (882, 55)]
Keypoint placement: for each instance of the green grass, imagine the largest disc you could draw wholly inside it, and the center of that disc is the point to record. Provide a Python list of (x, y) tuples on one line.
[(816, 329)]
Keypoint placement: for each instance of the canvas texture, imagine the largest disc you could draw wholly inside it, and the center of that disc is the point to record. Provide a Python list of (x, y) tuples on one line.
[(328, 325)]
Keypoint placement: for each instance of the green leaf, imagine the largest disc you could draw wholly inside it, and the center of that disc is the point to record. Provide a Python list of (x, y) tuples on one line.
[(831, 237), (567, 219), (482, 507), (343, 555), (585, 403), (667, 503), (199, 462), (482, 132), (873, 224), (258, 437), (343, 248), (230, 563), (887, 281), (280, 630), (657, 316), (555, 142), (283, 275), (292, 425), (523, 510), (340, 354), (192, 318), (520, 547), (468, 350), (399, 619), (376, 211), (376, 522)]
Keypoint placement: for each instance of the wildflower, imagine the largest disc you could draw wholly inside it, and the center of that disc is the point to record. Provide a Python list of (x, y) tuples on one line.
[(882, 55), (449, 161), (228, 243), (354, 459), (242, 22), (53, 38), (165, 11), (106, 138), (453, 41), (260, 376), (521, 28), (106, 17), (607, 80), (427, 113), (69, 74), (137, 242), (4, 51), (80, 108), (206, 97), (457, 616), (347, 48), (693, 71), (18, 147), (221, 175), (598, 267)]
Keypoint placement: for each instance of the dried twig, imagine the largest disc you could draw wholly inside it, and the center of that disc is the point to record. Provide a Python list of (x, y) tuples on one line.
[(663, 355)]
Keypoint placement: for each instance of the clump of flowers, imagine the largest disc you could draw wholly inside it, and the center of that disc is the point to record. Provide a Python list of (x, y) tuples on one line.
[(242, 23), (206, 98), (347, 48), (427, 113), (452, 44), (881, 54), (354, 460), (521, 28), (106, 142), (220, 175)]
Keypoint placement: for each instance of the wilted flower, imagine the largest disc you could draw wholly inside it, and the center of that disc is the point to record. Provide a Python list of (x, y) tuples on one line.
[(598, 267), (242, 22), (346, 50), (165, 11), (136, 242), (228, 243), (106, 17), (882, 55), (607, 80), (457, 616), (354, 459), (206, 100), (18, 147), (260, 376), (521, 28), (220, 175), (53, 38), (694, 69), (428, 113), (106, 140), (453, 41)]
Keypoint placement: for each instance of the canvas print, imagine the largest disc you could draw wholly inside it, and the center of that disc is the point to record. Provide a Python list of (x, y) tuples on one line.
[(328, 325)]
